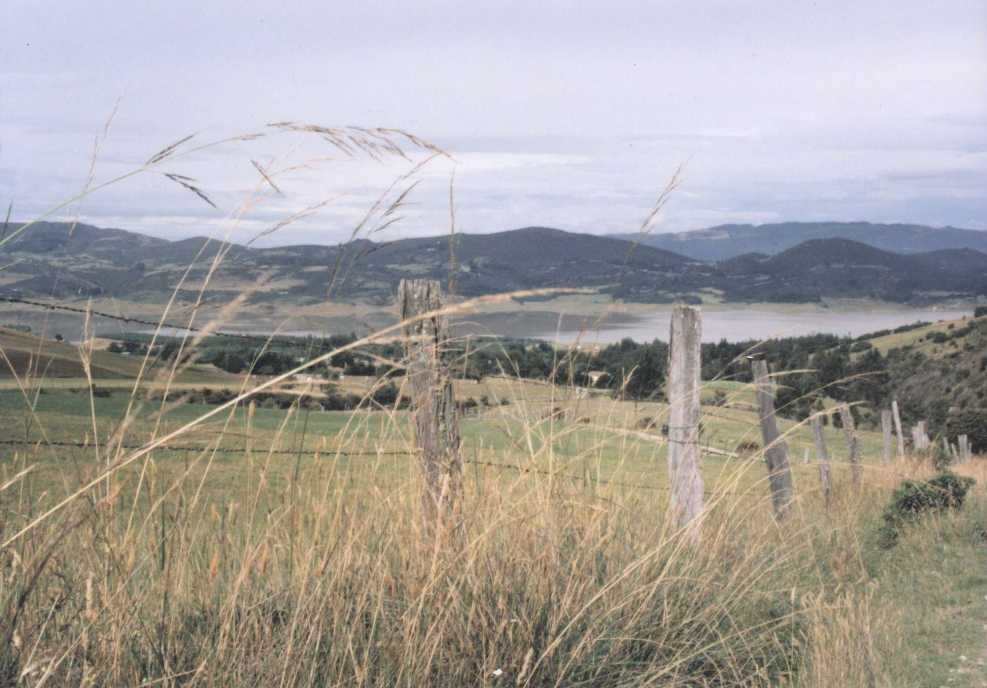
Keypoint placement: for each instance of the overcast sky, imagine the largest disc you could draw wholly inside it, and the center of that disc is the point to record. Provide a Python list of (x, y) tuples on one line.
[(566, 114)]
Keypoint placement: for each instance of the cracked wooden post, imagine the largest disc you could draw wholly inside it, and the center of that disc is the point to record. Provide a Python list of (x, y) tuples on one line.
[(852, 443), (431, 393), (897, 429), (823, 455), (683, 419), (886, 429), (775, 449)]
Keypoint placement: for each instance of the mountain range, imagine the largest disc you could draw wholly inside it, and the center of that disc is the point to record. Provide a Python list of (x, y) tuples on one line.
[(727, 241), (50, 261)]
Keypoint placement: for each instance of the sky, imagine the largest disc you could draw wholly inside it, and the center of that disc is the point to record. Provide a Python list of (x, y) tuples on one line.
[(565, 114)]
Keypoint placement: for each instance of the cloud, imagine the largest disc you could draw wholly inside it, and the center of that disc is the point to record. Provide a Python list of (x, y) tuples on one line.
[(568, 114)]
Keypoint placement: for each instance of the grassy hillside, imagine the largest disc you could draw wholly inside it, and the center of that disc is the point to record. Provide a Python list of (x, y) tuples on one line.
[(25, 354), (939, 373)]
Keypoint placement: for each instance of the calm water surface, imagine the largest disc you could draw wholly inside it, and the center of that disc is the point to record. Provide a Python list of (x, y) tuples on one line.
[(747, 324)]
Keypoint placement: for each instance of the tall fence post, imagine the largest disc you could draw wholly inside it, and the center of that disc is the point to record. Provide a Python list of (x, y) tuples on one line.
[(886, 429), (822, 454), (853, 447), (436, 418), (683, 418), (775, 449), (897, 428)]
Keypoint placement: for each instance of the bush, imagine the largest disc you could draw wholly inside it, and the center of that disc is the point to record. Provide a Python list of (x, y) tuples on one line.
[(979, 311), (912, 499)]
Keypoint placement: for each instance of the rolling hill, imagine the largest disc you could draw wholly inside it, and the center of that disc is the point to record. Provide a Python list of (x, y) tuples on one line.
[(48, 262), (728, 241)]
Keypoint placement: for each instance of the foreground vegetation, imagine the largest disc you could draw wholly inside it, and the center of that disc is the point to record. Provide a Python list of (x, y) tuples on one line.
[(302, 558)]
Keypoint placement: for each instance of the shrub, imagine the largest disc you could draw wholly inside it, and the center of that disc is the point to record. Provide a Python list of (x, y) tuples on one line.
[(912, 499), (979, 311)]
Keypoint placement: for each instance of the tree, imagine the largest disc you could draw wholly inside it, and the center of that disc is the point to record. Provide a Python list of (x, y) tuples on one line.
[(648, 376)]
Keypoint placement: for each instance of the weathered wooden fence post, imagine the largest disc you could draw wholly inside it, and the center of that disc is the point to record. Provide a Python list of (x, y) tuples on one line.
[(853, 448), (436, 417), (923, 435), (823, 456), (775, 449), (683, 418), (886, 429), (964, 448), (897, 429), (916, 438)]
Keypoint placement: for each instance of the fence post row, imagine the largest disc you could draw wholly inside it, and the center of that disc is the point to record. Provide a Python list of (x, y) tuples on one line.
[(684, 388), (431, 393), (775, 449), (897, 429), (823, 455)]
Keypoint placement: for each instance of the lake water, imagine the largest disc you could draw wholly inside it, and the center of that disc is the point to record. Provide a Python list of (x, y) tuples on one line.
[(744, 324)]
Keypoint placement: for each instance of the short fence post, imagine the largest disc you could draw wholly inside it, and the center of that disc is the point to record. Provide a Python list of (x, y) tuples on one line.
[(964, 448), (683, 418), (436, 418), (897, 429), (850, 429), (775, 449), (886, 429), (923, 435), (823, 456)]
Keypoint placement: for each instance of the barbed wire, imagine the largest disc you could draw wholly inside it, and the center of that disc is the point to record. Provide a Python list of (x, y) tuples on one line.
[(193, 448), (48, 305), (295, 452)]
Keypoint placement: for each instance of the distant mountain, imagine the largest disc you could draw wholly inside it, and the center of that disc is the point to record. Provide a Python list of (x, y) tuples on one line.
[(841, 268), (728, 241), (46, 261)]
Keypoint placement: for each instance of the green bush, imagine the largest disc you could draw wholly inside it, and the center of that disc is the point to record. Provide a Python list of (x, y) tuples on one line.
[(912, 499)]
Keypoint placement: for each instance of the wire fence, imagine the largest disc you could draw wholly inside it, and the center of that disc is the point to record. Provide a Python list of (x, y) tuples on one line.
[(77, 310)]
